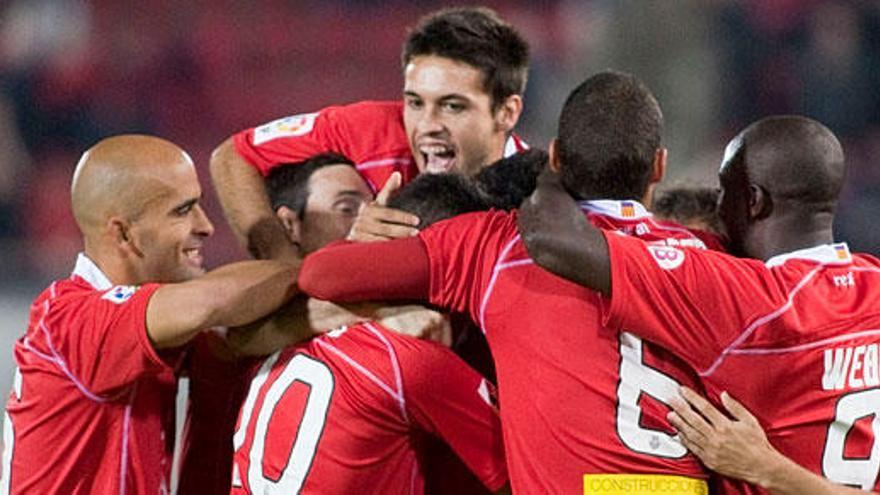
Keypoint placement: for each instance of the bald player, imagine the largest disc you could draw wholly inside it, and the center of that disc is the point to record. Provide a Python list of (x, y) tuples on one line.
[(792, 331), (92, 405)]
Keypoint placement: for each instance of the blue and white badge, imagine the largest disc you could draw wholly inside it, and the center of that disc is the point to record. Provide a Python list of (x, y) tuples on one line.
[(120, 293)]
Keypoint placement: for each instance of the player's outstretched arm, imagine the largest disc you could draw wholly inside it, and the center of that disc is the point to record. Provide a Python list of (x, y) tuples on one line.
[(246, 205), (232, 295), (738, 448), (559, 238)]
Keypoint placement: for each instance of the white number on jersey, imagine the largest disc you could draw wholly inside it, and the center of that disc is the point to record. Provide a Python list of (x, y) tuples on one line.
[(835, 466), (9, 439), (319, 378), (637, 378)]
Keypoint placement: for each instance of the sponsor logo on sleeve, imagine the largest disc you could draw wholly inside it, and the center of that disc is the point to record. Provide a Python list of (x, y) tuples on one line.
[(296, 125), (120, 293), (668, 258)]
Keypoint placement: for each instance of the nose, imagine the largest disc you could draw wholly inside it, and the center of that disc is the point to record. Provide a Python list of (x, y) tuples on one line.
[(430, 121), (202, 226)]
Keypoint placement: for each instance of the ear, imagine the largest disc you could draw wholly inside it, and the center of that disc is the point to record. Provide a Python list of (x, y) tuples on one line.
[(760, 203), (553, 152), (121, 233), (508, 112), (658, 167), (291, 222)]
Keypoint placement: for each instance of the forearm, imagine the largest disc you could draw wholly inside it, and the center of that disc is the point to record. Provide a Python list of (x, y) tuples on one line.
[(229, 296), (558, 237), (356, 272), (785, 477), (245, 203)]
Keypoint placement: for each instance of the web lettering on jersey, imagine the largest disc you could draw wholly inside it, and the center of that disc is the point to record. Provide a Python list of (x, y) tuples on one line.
[(851, 367)]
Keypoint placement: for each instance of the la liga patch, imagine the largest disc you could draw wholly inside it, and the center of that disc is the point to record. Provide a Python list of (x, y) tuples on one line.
[(295, 125), (120, 293)]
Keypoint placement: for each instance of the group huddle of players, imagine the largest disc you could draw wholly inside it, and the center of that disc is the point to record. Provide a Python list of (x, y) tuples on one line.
[(537, 326)]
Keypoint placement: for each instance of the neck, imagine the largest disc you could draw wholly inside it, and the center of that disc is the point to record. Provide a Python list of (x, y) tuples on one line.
[(114, 268), (784, 234)]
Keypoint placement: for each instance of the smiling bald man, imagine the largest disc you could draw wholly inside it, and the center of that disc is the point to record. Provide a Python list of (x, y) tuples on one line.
[(92, 406)]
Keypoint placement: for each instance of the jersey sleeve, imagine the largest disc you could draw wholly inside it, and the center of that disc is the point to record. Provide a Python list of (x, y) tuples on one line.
[(463, 252), (390, 270), (447, 398), (101, 339), (361, 132), (691, 301)]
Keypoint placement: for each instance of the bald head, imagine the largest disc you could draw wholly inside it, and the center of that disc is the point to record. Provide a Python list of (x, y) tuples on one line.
[(120, 177), (794, 158)]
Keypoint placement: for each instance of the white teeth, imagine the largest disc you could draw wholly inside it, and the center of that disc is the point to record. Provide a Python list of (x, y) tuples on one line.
[(435, 150)]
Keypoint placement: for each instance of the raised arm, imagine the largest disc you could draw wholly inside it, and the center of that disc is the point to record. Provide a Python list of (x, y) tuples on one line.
[(559, 238), (243, 196), (738, 448), (232, 295)]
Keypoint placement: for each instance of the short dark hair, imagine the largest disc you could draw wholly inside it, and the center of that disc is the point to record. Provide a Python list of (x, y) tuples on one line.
[(686, 204), (609, 133), (287, 184), (478, 37), (435, 197), (508, 181)]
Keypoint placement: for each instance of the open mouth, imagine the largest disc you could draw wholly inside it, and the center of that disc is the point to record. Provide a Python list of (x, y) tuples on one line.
[(437, 158), (194, 256)]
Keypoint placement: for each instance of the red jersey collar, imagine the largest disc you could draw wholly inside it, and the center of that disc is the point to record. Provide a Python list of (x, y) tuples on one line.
[(87, 270), (621, 210), (826, 254)]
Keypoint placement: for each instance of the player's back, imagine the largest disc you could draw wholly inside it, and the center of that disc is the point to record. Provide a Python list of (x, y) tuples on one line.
[(576, 398), (809, 367), (345, 413)]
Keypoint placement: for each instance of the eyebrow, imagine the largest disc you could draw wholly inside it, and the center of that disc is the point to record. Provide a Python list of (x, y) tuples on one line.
[(351, 192), (187, 203), (452, 96)]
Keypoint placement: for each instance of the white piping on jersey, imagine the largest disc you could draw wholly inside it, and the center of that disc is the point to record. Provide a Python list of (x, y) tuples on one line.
[(395, 365), (55, 358), (397, 396), (762, 321), (126, 424), (495, 270), (804, 347)]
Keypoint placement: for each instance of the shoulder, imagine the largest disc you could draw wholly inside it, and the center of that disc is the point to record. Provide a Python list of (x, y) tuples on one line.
[(368, 109)]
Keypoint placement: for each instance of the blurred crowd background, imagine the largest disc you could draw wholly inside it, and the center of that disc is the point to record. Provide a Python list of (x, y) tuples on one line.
[(73, 72)]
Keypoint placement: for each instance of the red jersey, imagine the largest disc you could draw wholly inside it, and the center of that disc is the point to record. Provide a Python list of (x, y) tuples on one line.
[(795, 339), (347, 411), (369, 133), (577, 397), (92, 406)]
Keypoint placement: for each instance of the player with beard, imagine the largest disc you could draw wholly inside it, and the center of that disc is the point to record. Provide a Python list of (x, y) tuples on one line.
[(464, 75), (790, 330)]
